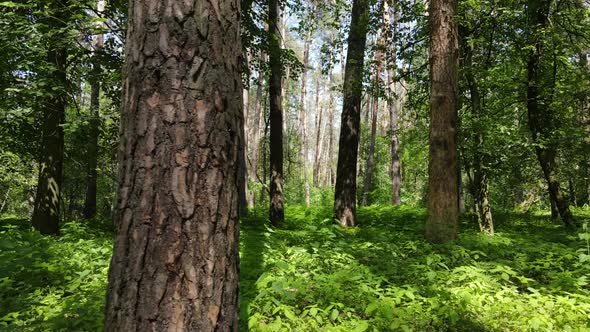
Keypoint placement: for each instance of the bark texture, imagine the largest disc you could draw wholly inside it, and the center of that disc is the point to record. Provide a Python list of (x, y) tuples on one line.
[(277, 200), (443, 184), (542, 122), (46, 211), (175, 260), (345, 191)]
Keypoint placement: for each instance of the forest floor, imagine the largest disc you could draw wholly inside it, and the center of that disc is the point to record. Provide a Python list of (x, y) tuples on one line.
[(311, 275)]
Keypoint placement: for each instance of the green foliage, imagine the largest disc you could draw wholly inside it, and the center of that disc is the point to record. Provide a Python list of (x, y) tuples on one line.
[(381, 276), (312, 275), (52, 283)]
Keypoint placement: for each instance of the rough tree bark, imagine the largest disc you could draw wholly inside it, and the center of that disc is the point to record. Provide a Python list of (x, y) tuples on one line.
[(443, 184), (345, 191), (541, 121), (46, 211), (276, 211), (175, 260), (94, 128)]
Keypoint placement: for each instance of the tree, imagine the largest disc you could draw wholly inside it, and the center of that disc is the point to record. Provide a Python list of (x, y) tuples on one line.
[(303, 117), (443, 182), (541, 120), (94, 130), (277, 200), (46, 211), (175, 260), (345, 191)]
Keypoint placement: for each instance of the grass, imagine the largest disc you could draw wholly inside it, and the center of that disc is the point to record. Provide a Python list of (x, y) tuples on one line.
[(311, 275)]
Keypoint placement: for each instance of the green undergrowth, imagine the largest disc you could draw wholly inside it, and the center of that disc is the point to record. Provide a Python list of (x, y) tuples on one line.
[(312, 275), (53, 283)]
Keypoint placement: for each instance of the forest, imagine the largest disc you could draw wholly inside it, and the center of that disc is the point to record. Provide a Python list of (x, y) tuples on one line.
[(294, 165)]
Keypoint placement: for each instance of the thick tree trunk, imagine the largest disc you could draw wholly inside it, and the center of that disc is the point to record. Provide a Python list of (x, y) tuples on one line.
[(175, 260), (94, 128), (276, 211), (319, 137), (541, 123), (443, 191), (303, 120), (46, 213), (345, 191)]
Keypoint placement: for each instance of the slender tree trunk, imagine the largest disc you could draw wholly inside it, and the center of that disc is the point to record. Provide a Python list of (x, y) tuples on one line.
[(391, 31), (345, 191), (318, 139), (243, 154), (175, 260), (94, 130), (276, 212), (255, 141), (303, 120), (372, 139), (541, 123), (5, 200), (443, 191), (330, 176), (480, 176), (46, 213)]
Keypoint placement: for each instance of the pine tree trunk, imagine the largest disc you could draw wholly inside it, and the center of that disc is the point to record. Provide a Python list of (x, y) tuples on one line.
[(303, 120), (175, 260), (330, 162), (541, 123), (443, 191), (276, 211), (94, 130), (46, 213), (345, 191)]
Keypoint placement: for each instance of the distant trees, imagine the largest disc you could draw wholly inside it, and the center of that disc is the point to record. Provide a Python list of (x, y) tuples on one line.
[(175, 260)]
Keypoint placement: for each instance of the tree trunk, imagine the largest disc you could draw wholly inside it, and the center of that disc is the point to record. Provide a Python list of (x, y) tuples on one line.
[(276, 211), (255, 142), (391, 58), (318, 139), (46, 213), (443, 191), (243, 154), (94, 128), (480, 176), (372, 139), (345, 191), (303, 120), (541, 122), (175, 260), (330, 162)]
